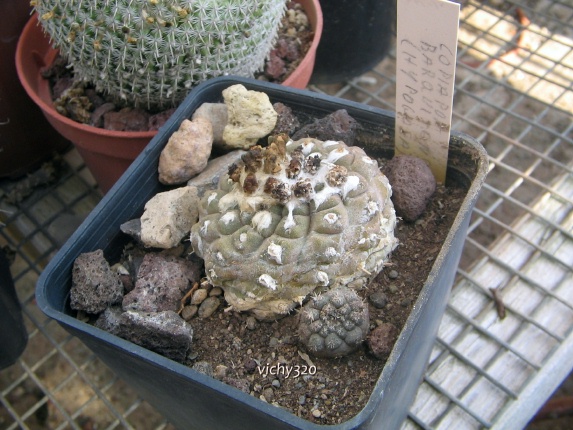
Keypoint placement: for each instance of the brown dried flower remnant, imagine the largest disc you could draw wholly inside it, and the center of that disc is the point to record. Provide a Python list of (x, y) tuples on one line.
[(312, 164), (337, 176), (234, 172), (251, 183), (253, 159), (303, 189), (277, 189), (275, 154), (294, 168)]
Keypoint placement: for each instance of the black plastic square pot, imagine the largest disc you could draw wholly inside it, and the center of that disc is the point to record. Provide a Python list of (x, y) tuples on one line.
[(189, 399)]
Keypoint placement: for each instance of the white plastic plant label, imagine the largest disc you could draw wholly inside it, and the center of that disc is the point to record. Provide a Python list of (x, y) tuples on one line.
[(426, 48)]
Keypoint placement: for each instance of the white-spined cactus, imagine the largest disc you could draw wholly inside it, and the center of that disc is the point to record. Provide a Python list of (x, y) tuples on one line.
[(293, 217), (151, 52)]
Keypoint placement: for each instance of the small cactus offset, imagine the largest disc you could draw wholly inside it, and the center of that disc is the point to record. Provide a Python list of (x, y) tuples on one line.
[(333, 324), (150, 53), (293, 217)]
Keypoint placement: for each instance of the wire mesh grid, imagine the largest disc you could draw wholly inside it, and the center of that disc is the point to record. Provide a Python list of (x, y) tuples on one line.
[(57, 383), (514, 94)]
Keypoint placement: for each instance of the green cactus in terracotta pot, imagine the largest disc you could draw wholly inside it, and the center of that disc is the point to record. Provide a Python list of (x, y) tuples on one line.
[(150, 53)]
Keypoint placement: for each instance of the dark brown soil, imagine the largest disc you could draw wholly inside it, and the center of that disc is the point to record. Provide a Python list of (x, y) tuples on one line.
[(337, 388)]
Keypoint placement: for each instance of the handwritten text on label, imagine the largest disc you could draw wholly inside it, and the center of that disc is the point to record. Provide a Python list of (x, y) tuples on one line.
[(425, 79)]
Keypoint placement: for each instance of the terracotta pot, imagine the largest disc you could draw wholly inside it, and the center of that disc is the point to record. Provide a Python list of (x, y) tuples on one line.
[(300, 77), (108, 153), (26, 138)]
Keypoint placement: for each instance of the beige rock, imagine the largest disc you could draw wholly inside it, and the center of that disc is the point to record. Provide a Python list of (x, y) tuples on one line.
[(187, 151), (209, 178), (216, 113), (251, 116), (168, 217), (199, 296)]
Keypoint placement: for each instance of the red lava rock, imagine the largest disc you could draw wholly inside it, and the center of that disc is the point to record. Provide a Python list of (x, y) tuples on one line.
[(412, 184), (157, 120), (287, 122), (339, 125), (61, 85), (95, 99), (94, 285), (127, 119), (275, 67), (288, 49), (160, 286), (97, 115), (165, 333), (382, 339)]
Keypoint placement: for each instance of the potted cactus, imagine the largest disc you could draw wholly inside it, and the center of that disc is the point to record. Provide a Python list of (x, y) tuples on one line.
[(148, 54), (288, 225)]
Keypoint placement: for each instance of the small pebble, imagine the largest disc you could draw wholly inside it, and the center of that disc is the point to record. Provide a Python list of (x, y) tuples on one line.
[(269, 394), (302, 400), (199, 296), (378, 299), (238, 383), (216, 291), (405, 302), (274, 342), (276, 383), (220, 371), (316, 413), (251, 323), (381, 340), (127, 282), (189, 312), (82, 316), (393, 274), (203, 367), (393, 288), (208, 307), (250, 365)]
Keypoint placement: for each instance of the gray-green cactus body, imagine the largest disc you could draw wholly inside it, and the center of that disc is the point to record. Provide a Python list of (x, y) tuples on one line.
[(291, 218), (333, 324), (151, 52)]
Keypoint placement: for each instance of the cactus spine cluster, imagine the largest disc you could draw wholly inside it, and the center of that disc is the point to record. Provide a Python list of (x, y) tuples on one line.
[(150, 53)]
